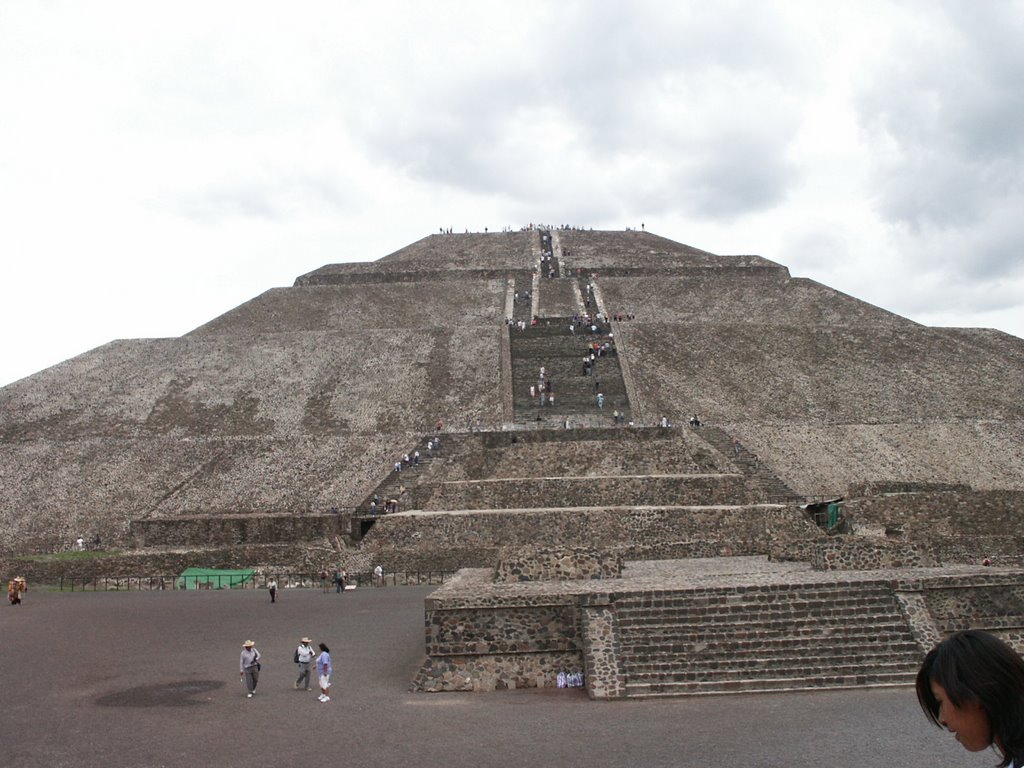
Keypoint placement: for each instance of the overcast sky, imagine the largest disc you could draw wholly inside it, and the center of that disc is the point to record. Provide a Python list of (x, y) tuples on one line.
[(162, 163)]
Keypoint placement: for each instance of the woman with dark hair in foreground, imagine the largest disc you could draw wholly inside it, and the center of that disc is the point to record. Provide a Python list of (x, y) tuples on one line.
[(972, 683)]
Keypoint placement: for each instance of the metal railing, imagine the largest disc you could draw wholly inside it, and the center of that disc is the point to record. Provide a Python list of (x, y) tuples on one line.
[(284, 579)]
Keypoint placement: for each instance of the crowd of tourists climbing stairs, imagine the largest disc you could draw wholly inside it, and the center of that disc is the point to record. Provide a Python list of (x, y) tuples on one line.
[(549, 262), (522, 299), (564, 370), (406, 471)]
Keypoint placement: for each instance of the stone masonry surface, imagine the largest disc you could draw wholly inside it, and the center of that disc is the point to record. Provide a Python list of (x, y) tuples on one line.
[(298, 402), (473, 621), (555, 564)]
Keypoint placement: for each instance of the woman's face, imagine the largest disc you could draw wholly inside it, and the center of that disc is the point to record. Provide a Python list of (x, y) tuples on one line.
[(968, 722)]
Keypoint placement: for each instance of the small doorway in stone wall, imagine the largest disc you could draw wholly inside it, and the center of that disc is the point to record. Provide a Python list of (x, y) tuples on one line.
[(828, 515)]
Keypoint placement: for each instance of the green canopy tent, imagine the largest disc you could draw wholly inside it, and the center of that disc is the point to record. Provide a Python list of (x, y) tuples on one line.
[(215, 578)]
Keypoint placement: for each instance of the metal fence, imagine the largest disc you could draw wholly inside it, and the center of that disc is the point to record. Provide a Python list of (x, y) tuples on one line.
[(285, 580)]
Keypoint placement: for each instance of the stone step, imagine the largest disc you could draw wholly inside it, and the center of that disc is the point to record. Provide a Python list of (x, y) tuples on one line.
[(527, 412), (528, 359), (573, 383), (748, 685), (758, 636), (745, 609), (754, 615), (580, 394), (744, 605), (583, 402), (390, 484), (757, 624), (690, 653), (557, 328), (747, 461), (768, 592), (561, 353), (527, 369), (570, 381), (710, 643), (792, 668), (754, 668), (553, 329)]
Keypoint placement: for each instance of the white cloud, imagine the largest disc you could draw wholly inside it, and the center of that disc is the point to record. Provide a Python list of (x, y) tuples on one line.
[(161, 164)]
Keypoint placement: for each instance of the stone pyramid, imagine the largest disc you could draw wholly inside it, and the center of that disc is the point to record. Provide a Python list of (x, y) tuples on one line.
[(260, 437)]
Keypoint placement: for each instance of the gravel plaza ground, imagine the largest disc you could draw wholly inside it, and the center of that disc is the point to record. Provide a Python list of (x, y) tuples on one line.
[(146, 679)]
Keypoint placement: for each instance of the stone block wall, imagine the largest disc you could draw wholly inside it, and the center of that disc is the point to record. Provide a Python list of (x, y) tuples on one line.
[(547, 492), (946, 513), (938, 607), (619, 253), (557, 298), (605, 678), (363, 306), (478, 641), (466, 250), (998, 606), (542, 627), (791, 535), (973, 550), (237, 529), (285, 557), (583, 453), (739, 296), (848, 553), (958, 525), (483, 635), (883, 487), (560, 564), (475, 540), (494, 672), (825, 459)]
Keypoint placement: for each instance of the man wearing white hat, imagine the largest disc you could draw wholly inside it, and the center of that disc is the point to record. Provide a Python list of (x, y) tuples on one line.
[(304, 656), (249, 666)]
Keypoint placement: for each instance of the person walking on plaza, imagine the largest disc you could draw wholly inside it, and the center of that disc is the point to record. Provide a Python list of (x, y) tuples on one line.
[(16, 588), (323, 672), (272, 588), (249, 667), (378, 576), (304, 656)]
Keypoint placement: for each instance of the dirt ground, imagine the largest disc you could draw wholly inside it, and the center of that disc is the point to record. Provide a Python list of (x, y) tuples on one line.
[(151, 679)]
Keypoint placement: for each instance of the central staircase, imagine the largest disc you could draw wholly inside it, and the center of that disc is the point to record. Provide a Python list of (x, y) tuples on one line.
[(561, 352)]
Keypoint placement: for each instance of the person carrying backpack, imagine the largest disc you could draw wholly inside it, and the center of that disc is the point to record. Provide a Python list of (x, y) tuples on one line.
[(304, 655)]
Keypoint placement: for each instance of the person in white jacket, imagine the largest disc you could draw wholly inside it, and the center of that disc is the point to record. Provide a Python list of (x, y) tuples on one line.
[(304, 655)]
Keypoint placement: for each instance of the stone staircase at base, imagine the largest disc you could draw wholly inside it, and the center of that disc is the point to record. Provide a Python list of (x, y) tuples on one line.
[(787, 637)]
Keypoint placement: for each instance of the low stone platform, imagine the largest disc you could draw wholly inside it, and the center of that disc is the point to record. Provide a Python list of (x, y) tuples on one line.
[(708, 625)]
